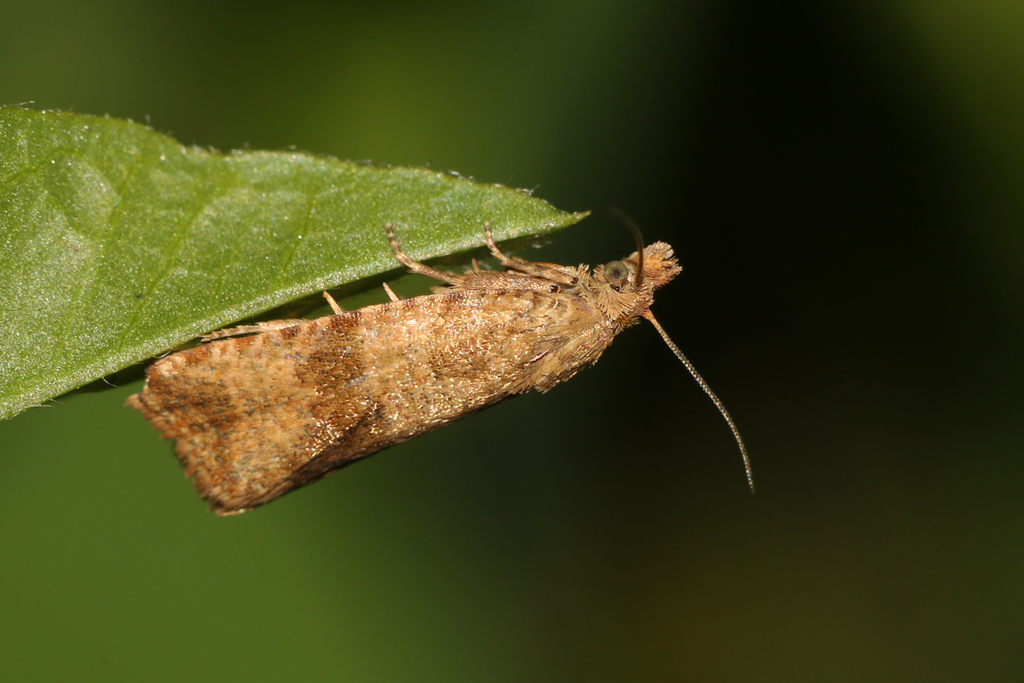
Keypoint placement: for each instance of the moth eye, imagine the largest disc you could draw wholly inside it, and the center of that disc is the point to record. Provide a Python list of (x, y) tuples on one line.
[(616, 273)]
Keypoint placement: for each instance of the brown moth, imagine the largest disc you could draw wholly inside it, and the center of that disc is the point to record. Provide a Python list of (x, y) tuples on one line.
[(257, 416)]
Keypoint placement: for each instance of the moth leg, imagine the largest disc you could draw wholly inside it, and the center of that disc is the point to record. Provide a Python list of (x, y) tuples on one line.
[(269, 326), (391, 294), (507, 261), (415, 266), (548, 271), (338, 310)]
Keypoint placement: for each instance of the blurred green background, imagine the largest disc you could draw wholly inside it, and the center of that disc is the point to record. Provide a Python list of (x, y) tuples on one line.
[(844, 184)]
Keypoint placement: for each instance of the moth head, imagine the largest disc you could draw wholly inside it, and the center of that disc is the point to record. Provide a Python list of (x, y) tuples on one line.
[(656, 267), (653, 265)]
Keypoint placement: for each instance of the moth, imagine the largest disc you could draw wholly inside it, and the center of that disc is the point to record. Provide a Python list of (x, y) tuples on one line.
[(257, 416)]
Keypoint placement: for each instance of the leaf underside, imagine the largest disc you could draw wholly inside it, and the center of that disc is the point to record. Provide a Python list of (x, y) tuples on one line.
[(118, 243)]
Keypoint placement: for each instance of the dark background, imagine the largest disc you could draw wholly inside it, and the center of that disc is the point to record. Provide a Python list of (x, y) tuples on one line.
[(842, 182)]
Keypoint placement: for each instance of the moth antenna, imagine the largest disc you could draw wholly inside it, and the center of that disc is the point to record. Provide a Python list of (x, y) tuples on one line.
[(707, 390), (635, 229)]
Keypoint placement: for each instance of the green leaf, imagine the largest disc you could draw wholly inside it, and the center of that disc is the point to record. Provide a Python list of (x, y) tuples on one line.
[(118, 243)]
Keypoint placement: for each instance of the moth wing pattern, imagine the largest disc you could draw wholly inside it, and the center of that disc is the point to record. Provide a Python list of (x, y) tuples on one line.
[(254, 417)]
